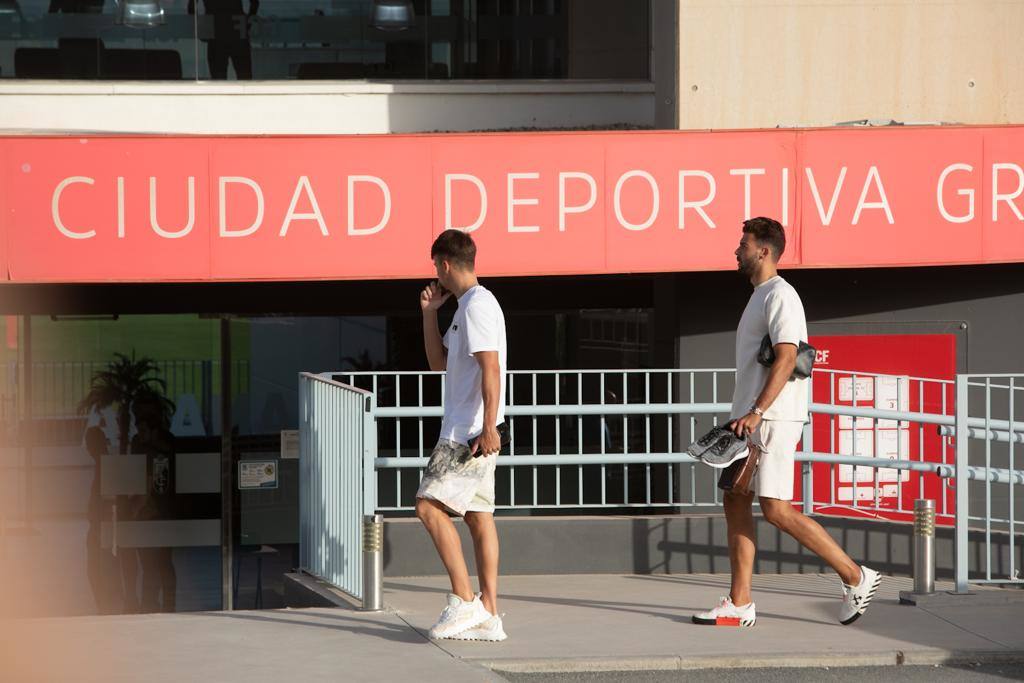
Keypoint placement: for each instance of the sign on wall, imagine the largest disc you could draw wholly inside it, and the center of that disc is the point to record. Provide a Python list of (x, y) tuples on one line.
[(82, 209)]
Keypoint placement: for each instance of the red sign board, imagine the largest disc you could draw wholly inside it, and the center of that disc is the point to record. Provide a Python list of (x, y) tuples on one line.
[(908, 373), (82, 209)]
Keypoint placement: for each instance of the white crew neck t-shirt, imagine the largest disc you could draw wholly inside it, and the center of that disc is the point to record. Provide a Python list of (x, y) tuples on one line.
[(774, 309), (478, 325)]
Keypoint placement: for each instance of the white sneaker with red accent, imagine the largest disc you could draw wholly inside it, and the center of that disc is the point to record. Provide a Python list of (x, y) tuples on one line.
[(727, 614)]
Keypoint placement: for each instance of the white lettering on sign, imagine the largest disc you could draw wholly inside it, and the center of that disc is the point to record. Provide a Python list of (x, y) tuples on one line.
[(171, 234), (563, 208), (242, 201), (655, 200), (969, 216), (55, 208), (821, 356), (463, 177), (882, 204), (385, 191), (746, 173), (1008, 198), (513, 202), (223, 183), (303, 187), (698, 205)]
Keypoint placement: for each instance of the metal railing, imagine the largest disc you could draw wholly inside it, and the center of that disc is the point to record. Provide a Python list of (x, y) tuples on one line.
[(337, 441), (616, 439)]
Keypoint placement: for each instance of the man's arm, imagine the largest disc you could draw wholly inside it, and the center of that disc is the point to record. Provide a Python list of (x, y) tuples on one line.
[(778, 375), (490, 385), (431, 299)]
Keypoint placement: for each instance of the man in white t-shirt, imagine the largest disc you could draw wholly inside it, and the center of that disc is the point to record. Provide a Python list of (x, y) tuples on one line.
[(460, 475), (769, 409)]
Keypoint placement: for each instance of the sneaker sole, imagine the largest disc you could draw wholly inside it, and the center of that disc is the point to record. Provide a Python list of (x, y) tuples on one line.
[(479, 639), (721, 466), (449, 636), (724, 621), (867, 602)]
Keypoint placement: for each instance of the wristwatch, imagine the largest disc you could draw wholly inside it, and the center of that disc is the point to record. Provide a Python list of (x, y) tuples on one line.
[(757, 411)]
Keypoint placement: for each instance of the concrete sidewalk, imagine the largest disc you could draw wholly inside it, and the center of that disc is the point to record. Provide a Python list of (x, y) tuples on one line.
[(555, 623), (601, 622)]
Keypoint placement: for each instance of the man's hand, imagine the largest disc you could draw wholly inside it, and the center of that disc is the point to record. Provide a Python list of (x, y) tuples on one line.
[(488, 443), (746, 425), (433, 297)]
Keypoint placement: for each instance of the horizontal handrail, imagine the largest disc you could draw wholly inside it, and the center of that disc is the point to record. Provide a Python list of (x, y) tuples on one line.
[(942, 470)]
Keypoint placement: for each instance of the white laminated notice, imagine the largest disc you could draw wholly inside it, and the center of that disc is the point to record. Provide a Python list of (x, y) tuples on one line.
[(865, 389)]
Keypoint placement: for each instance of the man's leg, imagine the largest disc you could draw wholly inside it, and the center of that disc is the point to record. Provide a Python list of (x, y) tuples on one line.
[(485, 546), (811, 535), (740, 530), (449, 546)]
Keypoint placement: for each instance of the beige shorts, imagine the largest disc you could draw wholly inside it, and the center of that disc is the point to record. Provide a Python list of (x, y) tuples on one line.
[(457, 480), (777, 440)]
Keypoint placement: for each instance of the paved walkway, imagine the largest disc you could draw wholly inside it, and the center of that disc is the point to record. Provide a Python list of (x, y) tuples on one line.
[(567, 623)]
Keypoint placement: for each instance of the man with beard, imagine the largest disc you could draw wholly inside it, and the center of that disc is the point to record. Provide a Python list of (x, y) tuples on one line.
[(769, 410)]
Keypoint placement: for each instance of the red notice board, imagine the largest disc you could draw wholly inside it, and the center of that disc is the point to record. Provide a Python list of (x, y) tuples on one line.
[(891, 372)]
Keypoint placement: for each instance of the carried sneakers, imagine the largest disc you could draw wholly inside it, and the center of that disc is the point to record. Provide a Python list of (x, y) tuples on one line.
[(459, 616), (698, 447), (491, 630), (857, 598), (728, 449), (727, 614)]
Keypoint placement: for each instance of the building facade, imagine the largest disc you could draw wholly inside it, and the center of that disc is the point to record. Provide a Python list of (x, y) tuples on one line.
[(145, 212)]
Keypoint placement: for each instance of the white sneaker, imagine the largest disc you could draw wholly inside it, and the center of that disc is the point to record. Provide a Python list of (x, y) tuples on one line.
[(458, 616), (491, 631), (857, 598), (727, 614)]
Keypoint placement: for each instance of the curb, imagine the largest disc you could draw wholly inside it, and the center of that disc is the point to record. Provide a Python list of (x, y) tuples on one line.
[(924, 657)]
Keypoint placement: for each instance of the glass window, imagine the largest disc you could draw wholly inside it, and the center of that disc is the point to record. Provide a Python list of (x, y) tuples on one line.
[(114, 447), (320, 39)]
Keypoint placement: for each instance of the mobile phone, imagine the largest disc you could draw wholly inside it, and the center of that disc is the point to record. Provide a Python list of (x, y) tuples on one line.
[(504, 435), (440, 287)]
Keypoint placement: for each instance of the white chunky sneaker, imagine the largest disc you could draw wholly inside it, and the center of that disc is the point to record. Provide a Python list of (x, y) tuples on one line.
[(458, 616), (857, 598), (491, 631), (727, 614)]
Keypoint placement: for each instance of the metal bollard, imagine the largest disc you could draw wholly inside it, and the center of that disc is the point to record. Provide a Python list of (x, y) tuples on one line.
[(924, 547), (373, 563)]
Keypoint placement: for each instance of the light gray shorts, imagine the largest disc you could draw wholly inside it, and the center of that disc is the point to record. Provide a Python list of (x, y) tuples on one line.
[(457, 480)]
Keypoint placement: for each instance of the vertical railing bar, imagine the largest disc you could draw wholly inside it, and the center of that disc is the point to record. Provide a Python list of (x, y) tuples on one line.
[(604, 477), (1011, 417), (558, 439), (944, 485), (672, 469), (579, 436), (853, 423), (961, 510), (988, 480), (832, 478), (647, 436), (625, 439), (512, 442), (533, 382), (693, 430)]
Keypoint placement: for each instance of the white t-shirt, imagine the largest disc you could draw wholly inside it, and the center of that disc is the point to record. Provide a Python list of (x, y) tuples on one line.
[(774, 309), (479, 325)]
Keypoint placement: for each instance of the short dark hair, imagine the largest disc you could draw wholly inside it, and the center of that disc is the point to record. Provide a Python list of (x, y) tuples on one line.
[(768, 233), (456, 247)]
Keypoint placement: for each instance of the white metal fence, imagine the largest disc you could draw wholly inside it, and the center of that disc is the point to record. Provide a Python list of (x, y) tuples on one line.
[(336, 441), (586, 439)]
